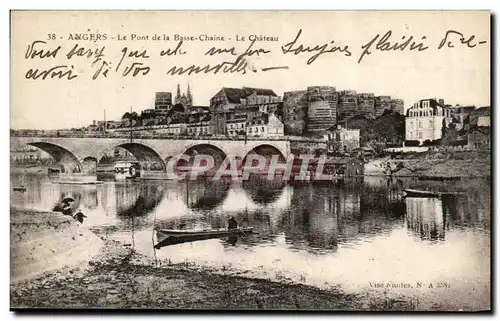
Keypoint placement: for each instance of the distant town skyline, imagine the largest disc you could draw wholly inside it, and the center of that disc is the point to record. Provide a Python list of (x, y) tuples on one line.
[(145, 102)]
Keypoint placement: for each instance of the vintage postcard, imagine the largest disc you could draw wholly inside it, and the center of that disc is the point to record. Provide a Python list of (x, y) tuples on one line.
[(251, 160)]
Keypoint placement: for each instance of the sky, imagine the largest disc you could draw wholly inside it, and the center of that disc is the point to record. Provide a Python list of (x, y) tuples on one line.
[(459, 75)]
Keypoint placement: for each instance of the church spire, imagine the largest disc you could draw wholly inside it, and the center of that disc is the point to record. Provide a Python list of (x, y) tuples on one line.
[(178, 91), (189, 96)]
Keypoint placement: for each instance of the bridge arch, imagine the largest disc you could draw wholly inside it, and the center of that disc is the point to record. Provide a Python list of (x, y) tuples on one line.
[(144, 154), (266, 150), (66, 159), (204, 149)]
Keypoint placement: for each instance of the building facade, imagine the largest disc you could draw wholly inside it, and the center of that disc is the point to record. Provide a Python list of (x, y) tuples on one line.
[(200, 125), (366, 105), (342, 139), (236, 126), (425, 120), (227, 99), (163, 100), (479, 138), (230, 106), (348, 105), (267, 125)]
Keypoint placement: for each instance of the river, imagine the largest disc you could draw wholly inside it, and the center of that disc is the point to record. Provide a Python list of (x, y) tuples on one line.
[(353, 234)]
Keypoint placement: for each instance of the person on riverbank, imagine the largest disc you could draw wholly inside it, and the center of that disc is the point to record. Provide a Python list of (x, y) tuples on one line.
[(232, 224), (66, 209), (79, 216)]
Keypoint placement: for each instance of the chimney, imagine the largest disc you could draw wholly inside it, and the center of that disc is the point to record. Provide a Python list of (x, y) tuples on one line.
[(441, 101)]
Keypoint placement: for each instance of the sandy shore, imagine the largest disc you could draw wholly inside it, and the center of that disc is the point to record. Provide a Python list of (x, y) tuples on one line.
[(112, 280)]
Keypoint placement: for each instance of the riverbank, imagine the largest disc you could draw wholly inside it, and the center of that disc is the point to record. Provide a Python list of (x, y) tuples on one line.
[(116, 282), (58, 263), (29, 169), (465, 164)]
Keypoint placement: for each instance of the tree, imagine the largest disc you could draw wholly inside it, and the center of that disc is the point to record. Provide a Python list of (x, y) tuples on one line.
[(427, 142), (450, 135), (412, 143)]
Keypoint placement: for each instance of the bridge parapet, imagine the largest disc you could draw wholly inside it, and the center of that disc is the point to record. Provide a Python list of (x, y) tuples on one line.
[(72, 134)]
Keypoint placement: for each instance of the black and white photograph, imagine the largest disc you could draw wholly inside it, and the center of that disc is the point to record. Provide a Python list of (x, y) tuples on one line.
[(250, 160)]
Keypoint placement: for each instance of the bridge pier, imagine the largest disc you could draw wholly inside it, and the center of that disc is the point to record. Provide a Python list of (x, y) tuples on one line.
[(77, 178), (154, 175)]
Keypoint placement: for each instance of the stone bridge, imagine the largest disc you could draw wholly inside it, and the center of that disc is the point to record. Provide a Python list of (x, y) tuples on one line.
[(75, 150)]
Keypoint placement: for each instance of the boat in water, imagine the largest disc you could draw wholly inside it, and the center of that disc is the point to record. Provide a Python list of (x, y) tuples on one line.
[(172, 237), (127, 170), (19, 188), (419, 193), (209, 232)]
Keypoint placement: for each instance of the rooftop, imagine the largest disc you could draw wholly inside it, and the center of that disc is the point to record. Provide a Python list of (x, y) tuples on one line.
[(234, 95)]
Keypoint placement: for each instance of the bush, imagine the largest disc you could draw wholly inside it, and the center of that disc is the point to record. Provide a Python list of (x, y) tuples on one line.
[(412, 143), (427, 142)]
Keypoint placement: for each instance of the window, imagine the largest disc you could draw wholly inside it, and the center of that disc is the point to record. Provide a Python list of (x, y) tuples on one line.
[(262, 129), (420, 135), (419, 124)]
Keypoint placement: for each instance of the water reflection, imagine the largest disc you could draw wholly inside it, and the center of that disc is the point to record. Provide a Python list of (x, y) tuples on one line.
[(363, 228), (262, 191), (425, 218), (204, 195), (136, 200)]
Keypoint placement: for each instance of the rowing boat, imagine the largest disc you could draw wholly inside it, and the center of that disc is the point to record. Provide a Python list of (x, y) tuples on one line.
[(19, 189), (172, 237), (210, 232), (419, 193)]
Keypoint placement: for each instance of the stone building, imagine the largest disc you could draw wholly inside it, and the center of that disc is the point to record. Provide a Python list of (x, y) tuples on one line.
[(479, 138), (461, 112), (267, 125), (233, 103), (199, 125), (366, 105), (295, 112), (382, 103), (322, 108), (232, 98), (346, 166), (398, 106), (425, 120), (347, 105), (163, 100), (342, 139)]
